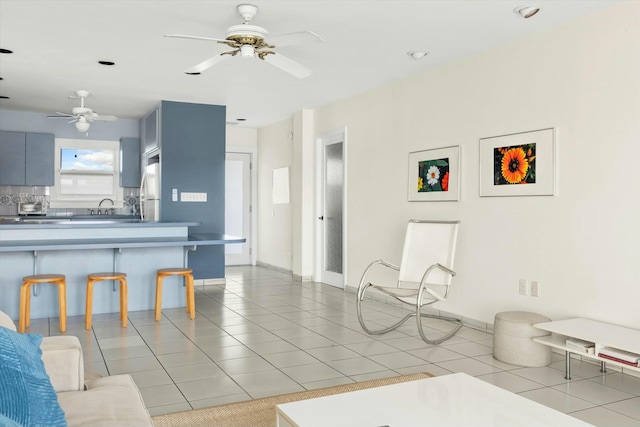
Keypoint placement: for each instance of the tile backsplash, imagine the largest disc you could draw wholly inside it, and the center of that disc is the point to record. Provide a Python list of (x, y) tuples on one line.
[(10, 196)]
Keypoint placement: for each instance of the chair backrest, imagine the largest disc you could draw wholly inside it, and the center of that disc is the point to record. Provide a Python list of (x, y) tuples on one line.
[(427, 243)]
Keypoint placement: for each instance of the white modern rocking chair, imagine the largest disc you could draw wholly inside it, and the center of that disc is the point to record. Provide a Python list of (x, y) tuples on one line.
[(424, 275)]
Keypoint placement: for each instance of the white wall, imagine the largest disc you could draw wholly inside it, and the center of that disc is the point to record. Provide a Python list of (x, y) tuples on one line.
[(581, 245), (302, 195), (275, 144), (238, 137)]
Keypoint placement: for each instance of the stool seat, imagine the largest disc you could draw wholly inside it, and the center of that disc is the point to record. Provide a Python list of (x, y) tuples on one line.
[(44, 278), (59, 280), (107, 276), (513, 334), (187, 273), (97, 277), (172, 271)]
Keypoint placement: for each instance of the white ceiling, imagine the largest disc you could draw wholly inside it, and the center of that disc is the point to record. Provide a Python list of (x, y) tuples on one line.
[(57, 45)]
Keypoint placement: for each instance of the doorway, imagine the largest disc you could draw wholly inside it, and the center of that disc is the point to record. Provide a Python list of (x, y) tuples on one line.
[(238, 207), (331, 215)]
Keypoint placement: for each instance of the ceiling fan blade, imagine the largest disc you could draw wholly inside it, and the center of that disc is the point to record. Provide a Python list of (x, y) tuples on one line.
[(292, 39), (75, 119), (61, 116), (205, 65), (182, 36), (105, 118), (289, 65)]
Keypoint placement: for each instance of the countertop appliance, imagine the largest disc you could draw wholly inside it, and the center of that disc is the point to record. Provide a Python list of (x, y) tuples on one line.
[(150, 193), (30, 208)]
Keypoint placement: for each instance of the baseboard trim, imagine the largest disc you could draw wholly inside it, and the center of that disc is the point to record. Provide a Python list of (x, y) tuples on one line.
[(201, 283), (295, 277)]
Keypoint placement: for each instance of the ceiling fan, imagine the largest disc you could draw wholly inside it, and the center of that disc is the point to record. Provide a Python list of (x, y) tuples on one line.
[(249, 41), (82, 116)]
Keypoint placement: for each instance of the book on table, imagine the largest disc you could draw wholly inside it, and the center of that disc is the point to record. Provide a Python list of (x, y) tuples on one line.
[(580, 346), (621, 356)]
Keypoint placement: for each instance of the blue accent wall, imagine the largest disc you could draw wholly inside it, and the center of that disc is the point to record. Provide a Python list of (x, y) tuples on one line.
[(23, 121), (193, 160)]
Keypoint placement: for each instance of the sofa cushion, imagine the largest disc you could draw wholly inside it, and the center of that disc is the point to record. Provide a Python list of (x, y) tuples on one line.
[(6, 321), (108, 401), (26, 394)]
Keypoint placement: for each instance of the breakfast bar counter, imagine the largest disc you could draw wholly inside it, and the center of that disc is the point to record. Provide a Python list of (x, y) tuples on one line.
[(78, 248)]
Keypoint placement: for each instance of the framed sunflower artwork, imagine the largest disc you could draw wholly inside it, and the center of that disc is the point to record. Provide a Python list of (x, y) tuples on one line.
[(520, 164), (434, 175)]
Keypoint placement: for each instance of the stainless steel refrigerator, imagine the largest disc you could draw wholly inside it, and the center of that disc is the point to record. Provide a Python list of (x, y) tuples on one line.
[(150, 193)]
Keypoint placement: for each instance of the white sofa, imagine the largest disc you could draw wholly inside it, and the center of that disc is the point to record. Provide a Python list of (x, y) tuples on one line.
[(108, 401)]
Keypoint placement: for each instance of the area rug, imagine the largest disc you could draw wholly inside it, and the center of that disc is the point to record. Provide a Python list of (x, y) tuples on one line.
[(262, 412)]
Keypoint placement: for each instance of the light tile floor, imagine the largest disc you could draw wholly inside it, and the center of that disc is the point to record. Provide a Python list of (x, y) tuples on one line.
[(264, 334)]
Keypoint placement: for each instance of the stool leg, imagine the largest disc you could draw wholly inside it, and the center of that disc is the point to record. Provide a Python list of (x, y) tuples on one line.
[(27, 311), (186, 286), (158, 297), (24, 290), (124, 296), (191, 302), (62, 298), (89, 307)]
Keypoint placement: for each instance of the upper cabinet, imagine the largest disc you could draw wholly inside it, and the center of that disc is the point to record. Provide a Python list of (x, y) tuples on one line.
[(130, 162), (26, 158), (149, 131)]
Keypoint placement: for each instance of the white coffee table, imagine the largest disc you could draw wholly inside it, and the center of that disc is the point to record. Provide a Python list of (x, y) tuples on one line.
[(449, 400)]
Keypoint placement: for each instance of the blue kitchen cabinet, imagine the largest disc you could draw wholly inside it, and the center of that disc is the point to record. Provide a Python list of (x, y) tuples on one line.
[(26, 158), (40, 159), (130, 162)]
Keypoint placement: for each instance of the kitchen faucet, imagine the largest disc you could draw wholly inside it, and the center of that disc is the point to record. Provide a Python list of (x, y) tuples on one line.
[(100, 204)]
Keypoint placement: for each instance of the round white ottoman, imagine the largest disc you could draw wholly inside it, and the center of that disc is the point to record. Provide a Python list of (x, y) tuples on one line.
[(513, 334)]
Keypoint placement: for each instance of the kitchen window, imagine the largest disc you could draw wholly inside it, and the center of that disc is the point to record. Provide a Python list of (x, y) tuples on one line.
[(86, 172)]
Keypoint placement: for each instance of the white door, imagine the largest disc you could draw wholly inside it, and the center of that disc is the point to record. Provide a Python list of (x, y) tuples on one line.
[(331, 215), (238, 207)]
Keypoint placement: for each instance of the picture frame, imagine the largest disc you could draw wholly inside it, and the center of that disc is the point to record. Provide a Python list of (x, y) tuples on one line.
[(434, 175), (519, 164)]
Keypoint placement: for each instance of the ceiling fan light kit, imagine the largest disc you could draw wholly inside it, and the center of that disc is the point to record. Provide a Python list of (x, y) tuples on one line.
[(249, 41), (82, 116), (82, 125)]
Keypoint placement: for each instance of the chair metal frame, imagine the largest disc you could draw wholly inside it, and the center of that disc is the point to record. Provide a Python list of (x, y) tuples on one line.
[(419, 293)]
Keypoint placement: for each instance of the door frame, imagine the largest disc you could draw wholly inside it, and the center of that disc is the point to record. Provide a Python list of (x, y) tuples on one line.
[(320, 140), (253, 151)]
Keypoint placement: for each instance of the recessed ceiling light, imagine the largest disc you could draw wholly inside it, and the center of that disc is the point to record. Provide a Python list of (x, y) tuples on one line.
[(192, 74), (526, 11), (4, 97), (5, 51), (241, 120), (106, 63), (416, 54)]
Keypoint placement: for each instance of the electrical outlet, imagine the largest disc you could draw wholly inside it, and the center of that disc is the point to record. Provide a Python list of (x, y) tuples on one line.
[(535, 288), (522, 287)]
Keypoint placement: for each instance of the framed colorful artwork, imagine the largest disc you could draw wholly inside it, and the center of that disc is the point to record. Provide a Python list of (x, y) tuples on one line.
[(520, 164), (434, 175)]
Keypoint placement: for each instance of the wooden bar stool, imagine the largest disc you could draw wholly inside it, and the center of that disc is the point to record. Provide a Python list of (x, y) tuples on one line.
[(25, 298), (187, 273), (97, 277)]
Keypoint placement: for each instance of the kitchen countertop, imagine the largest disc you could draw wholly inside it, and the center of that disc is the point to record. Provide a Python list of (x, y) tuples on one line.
[(87, 223), (196, 239)]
